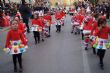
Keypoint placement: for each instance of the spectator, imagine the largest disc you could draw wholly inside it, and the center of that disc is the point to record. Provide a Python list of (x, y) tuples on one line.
[(25, 13)]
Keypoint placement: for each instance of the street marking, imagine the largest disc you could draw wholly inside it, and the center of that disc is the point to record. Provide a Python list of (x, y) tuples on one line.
[(85, 60)]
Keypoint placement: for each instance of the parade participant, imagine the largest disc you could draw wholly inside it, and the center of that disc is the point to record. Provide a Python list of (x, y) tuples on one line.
[(81, 17), (48, 19), (35, 24), (94, 26), (18, 14), (25, 13), (58, 17), (62, 17), (41, 24), (7, 19), (92, 36), (75, 22), (71, 11), (102, 32), (87, 31), (14, 34), (58, 25), (22, 27)]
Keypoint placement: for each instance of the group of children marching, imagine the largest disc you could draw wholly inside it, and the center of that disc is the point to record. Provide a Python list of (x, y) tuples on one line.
[(41, 24), (94, 32), (16, 41)]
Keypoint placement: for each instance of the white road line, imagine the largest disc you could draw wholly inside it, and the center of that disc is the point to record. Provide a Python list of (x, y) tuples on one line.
[(85, 60)]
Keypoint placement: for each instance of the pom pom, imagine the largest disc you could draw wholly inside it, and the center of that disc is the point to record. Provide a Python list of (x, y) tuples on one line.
[(15, 50), (13, 46), (21, 46), (95, 45), (106, 44), (101, 42), (5, 49), (15, 43), (22, 50), (100, 47), (19, 42)]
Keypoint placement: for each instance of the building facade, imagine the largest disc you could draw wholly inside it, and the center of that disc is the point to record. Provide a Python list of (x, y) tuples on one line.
[(63, 2)]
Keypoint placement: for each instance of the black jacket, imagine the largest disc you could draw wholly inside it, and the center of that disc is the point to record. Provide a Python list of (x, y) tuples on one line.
[(25, 11)]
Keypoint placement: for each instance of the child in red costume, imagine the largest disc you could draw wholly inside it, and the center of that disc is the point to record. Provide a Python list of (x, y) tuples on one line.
[(22, 27), (7, 20), (42, 25), (58, 18), (48, 19), (57, 15), (62, 17), (36, 25), (75, 22), (92, 36), (86, 32), (14, 34), (102, 32)]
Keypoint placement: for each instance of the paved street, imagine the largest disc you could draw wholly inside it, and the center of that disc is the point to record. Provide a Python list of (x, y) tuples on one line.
[(61, 53)]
